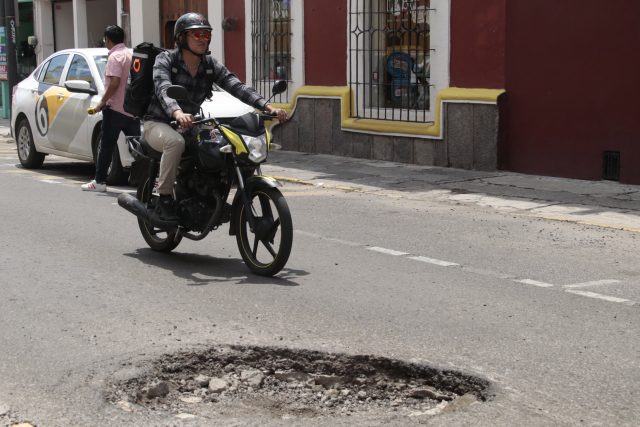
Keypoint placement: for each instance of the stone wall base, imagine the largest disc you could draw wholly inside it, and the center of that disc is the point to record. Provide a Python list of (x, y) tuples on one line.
[(470, 138)]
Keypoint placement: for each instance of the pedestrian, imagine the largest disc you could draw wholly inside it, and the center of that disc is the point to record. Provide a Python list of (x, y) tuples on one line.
[(196, 70), (114, 118)]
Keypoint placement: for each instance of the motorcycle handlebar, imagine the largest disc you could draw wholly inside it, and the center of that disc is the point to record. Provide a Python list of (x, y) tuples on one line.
[(198, 119), (268, 116)]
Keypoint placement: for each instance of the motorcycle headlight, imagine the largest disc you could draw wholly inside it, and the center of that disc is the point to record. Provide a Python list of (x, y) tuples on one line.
[(257, 147)]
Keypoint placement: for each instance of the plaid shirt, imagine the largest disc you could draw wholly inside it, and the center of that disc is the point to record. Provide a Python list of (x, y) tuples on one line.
[(161, 106)]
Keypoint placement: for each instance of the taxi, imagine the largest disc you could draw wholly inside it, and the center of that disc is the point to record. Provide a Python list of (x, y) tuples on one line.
[(49, 111)]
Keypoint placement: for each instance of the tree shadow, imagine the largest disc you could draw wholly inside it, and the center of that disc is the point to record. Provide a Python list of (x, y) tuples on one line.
[(201, 270)]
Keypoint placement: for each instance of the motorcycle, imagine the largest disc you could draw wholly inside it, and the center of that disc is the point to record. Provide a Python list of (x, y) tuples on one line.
[(219, 159)]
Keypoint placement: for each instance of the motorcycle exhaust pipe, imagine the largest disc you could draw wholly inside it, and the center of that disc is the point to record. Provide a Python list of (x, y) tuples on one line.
[(133, 205), (137, 208)]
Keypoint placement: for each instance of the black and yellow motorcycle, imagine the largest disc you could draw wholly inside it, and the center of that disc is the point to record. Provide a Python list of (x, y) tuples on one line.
[(221, 162)]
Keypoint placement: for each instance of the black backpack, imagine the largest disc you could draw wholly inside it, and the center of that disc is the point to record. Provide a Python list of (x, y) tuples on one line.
[(139, 90)]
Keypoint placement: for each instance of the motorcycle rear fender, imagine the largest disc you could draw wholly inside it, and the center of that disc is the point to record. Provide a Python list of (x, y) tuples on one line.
[(252, 183)]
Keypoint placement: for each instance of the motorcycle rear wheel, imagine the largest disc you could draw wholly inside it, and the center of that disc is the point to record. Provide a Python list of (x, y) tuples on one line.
[(266, 249), (158, 240)]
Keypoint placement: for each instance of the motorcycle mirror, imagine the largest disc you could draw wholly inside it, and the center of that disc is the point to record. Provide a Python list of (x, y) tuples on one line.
[(179, 93), (279, 87)]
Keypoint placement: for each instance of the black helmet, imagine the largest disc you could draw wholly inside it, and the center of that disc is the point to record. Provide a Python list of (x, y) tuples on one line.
[(190, 21)]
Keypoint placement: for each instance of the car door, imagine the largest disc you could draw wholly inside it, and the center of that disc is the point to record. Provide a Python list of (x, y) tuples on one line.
[(47, 97), (51, 96), (74, 125)]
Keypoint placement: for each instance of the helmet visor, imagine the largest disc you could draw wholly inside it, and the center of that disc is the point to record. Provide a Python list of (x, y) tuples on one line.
[(200, 35)]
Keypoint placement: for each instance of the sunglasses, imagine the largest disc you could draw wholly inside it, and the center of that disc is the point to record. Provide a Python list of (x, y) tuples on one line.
[(201, 35)]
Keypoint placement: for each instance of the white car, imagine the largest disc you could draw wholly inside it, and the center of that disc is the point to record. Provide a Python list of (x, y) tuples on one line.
[(49, 111)]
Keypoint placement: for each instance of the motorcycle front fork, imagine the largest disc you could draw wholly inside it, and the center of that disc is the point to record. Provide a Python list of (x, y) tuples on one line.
[(246, 199)]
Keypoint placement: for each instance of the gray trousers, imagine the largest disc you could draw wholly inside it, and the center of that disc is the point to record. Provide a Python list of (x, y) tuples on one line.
[(163, 138)]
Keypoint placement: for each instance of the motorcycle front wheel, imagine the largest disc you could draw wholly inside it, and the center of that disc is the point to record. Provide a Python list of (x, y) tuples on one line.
[(159, 240), (266, 248)]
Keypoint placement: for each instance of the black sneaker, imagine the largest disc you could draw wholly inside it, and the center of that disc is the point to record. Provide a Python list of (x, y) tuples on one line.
[(166, 208)]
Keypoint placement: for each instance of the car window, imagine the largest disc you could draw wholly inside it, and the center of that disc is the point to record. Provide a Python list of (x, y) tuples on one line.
[(79, 70), (54, 70), (101, 63), (37, 74)]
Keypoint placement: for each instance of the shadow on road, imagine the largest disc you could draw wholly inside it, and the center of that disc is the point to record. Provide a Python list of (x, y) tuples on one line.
[(200, 270), (69, 170)]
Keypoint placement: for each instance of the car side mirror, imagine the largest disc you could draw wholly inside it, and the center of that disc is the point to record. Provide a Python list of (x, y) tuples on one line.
[(80, 86)]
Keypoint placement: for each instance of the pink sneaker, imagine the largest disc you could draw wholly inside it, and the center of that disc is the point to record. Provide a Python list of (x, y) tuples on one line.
[(94, 186)]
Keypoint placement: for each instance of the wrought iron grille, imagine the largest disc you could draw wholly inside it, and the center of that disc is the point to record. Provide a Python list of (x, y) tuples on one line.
[(390, 59), (271, 45)]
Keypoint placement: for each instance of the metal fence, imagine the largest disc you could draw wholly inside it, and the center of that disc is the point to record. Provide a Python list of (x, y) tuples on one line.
[(389, 59), (271, 45)]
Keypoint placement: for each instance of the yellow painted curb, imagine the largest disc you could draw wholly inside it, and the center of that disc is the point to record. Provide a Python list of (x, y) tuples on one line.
[(347, 98)]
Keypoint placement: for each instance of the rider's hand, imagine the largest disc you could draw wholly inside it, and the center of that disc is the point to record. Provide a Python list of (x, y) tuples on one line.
[(183, 119), (280, 113)]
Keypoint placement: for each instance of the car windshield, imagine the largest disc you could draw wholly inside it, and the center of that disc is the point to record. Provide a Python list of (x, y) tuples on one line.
[(101, 63)]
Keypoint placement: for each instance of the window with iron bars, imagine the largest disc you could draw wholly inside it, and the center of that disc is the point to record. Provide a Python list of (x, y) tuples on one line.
[(390, 57), (271, 45)]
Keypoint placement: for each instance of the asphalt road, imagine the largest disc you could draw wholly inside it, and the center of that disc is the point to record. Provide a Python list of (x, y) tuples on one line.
[(496, 295)]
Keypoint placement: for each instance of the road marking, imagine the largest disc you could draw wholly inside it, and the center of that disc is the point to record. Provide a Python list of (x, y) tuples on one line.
[(489, 273), (600, 296), (434, 261), (386, 251), (535, 283), (329, 239), (593, 283), (50, 181)]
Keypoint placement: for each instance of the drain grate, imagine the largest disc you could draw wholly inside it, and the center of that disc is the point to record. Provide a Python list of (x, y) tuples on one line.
[(611, 165), (280, 382)]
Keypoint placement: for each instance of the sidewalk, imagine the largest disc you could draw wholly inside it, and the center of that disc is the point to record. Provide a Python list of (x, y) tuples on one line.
[(600, 203)]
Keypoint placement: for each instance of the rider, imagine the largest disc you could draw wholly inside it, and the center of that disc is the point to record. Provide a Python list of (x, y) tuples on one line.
[(187, 65)]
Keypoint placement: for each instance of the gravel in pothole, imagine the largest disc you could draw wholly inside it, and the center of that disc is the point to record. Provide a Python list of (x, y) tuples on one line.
[(284, 382)]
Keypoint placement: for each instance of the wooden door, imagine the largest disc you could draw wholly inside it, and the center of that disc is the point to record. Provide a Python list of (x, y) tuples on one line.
[(171, 10)]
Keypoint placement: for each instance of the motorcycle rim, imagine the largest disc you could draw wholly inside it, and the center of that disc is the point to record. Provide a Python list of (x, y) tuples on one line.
[(157, 239), (266, 249)]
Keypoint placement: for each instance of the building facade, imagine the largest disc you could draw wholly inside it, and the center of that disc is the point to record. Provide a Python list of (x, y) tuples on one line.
[(542, 87)]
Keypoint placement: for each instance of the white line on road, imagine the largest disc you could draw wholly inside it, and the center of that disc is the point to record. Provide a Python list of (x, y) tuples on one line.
[(387, 251), (600, 296), (433, 261), (567, 288), (593, 283), (330, 239), (535, 283)]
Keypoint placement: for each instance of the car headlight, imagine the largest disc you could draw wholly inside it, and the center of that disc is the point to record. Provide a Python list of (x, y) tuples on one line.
[(257, 147)]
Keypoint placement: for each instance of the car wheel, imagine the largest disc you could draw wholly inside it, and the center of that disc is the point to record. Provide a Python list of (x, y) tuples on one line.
[(29, 157), (116, 174)]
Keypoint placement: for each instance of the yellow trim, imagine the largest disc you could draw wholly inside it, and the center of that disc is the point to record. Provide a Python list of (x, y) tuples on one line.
[(387, 126), (234, 139)]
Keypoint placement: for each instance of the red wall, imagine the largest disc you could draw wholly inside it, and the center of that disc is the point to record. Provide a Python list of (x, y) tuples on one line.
[(234, 42), (478, 29), (572, 87), (325, 30)]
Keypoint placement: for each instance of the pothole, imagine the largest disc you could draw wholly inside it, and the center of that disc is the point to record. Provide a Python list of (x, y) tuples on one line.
[(288, 383)]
